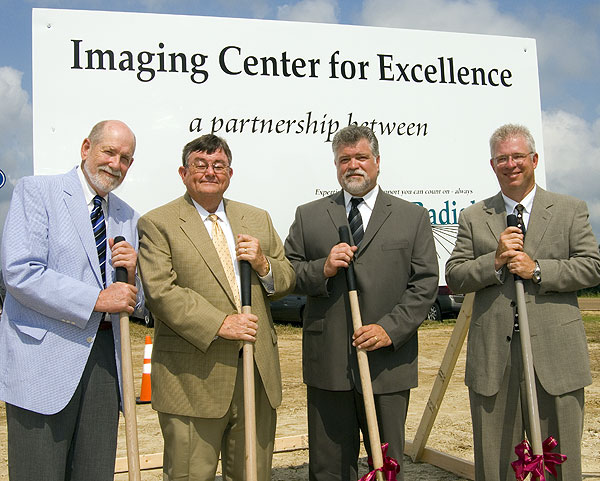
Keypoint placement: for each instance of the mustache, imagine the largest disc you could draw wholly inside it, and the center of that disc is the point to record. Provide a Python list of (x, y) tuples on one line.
[(358, 171), (105, 168)]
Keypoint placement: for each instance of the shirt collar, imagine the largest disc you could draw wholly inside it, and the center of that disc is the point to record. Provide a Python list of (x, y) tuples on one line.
[(220, 212), (369, 198), (527, 202)]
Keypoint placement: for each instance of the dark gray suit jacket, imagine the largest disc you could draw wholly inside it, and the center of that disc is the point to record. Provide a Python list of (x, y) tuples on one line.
[(560, 237), (397, 278)]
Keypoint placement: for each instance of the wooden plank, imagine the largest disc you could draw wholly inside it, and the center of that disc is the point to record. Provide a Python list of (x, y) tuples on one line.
[(447, 462), (155, 461), (443, 377), (589, 303), (147, 461)]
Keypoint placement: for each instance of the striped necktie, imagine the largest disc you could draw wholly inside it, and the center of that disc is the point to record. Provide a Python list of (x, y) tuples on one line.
[(99, 227), (355, 221)]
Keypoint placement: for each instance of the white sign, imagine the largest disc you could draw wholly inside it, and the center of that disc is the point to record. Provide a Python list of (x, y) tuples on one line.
[(278, 92)]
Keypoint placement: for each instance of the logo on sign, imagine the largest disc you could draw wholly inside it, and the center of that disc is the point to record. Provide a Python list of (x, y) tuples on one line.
[(2, 179)]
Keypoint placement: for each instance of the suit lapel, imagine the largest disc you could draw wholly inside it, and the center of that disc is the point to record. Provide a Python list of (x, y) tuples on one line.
[(80, 215), (337, 211), (381, 211), (236, 217), (539, 219), (192, 226), (496, 212)]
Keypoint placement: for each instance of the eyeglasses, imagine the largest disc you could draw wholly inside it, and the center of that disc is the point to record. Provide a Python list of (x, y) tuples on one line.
[(201, 167), (518, 158)]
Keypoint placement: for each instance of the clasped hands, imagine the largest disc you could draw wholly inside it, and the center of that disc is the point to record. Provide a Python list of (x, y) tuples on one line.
[(510, 253)]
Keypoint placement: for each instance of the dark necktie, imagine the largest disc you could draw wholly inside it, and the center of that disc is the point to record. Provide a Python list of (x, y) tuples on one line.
[(521, 225), (355, 221), (520, 222), (99, 227)]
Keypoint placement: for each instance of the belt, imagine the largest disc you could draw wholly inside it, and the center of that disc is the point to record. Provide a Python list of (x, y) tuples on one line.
[(105, 325)]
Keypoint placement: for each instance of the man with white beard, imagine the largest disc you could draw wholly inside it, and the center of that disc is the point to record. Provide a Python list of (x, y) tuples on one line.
[(59, 330)]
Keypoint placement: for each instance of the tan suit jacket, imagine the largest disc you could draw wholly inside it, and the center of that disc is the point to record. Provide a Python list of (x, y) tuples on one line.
[(193, 374), (560, 237)]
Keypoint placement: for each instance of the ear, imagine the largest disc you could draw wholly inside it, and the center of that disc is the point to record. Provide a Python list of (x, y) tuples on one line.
[(181, 171), (85, 148), (535, 160)]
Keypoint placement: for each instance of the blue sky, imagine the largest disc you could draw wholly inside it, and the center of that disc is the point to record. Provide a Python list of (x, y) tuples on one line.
[(568, 44)]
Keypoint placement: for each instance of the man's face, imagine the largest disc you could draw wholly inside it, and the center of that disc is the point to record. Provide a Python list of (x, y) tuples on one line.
[(514, 166), (200, 178), (106, 162), (357, 168)]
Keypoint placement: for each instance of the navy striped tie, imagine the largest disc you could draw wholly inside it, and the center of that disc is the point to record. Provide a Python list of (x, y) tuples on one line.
[(355, 221), (99, 227)]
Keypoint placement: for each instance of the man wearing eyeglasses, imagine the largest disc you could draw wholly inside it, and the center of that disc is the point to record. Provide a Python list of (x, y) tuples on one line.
[(189, 253), (557, 256)]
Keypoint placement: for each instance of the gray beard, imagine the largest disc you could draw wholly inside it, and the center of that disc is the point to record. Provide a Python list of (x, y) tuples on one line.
[(356, 187), (101, 183)]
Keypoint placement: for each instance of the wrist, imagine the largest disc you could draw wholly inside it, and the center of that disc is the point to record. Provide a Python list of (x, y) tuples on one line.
[(536, 275), (265, 267)]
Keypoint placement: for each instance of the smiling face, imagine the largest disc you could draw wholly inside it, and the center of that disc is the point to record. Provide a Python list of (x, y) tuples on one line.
[(357, 168), (206, 186), (514, 165), (106, 160)]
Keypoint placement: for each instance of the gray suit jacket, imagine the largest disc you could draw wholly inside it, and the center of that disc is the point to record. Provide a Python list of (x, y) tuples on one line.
[(397, 278), (560, 238), (193, 374)]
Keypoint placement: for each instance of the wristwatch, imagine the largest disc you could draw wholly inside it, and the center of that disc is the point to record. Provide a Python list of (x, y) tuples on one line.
[(536, 277)]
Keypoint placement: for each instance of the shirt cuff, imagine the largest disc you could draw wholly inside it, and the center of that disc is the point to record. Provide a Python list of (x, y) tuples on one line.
[(267, 280)]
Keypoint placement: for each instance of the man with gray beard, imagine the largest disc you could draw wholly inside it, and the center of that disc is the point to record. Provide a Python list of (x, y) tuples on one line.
[(60, 354), (397, 277)]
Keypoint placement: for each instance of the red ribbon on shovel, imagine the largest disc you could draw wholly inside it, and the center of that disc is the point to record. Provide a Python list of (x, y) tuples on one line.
[(389, 469), (527, 462)]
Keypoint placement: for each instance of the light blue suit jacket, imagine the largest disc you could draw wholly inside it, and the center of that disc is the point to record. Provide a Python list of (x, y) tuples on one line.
[(52, 275)]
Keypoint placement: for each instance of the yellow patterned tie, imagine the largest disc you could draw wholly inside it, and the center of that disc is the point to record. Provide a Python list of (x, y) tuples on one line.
[(220, 243)]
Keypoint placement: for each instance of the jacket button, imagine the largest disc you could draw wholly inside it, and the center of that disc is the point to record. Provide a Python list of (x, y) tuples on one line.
[(507, 338), (90, 339), (512, 304)]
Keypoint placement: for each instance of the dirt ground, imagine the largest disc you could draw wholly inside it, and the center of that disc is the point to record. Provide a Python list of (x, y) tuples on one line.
[(451, 432)]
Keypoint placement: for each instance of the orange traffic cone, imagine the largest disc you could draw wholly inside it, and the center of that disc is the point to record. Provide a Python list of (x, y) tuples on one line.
[(146, 391)]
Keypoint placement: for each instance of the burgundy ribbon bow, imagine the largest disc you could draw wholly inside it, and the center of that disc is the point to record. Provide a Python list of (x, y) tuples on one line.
[(527, 462), (389, 469)]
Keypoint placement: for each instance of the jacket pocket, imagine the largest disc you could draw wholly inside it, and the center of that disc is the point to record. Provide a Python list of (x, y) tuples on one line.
[(173, 344), (36, 332), (390, 246), (313, 325)]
